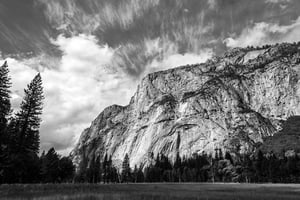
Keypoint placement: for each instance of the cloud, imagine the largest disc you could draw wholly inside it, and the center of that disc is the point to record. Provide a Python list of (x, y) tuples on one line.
[(24, 29), (77, 17), (176, 60), (278, 1), (80, 88), (175, 27), (75, 92), (266, 33)]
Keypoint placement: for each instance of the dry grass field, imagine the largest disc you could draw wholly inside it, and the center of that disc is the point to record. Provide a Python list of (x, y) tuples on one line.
[(159, 191)]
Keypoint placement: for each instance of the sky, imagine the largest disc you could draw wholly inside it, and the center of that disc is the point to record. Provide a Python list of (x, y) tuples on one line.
[(93, 53)]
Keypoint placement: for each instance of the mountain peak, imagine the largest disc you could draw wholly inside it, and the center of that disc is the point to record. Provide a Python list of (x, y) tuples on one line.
[(233, 102)]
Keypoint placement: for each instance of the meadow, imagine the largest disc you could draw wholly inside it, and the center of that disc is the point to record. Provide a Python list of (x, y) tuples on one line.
[(155, 191)]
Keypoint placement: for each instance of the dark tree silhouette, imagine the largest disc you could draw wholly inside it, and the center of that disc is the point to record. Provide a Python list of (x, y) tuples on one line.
[(105, 167), (55, 169), (23, 132), (126, 169), (50, 167), (29, 117), (66, 169), (5, 108)]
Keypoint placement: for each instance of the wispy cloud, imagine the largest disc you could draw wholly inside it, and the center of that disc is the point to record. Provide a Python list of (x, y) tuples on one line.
[(278, 1), (266, 33), (74, 17)]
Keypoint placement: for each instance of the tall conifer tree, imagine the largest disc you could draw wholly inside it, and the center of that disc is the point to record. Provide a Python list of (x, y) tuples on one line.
[(5, 108), (125, 169), (28, 119), (23, 130)]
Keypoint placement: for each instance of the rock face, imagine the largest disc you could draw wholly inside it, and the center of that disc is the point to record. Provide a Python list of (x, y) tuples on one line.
[(285, 141), (231, 102)]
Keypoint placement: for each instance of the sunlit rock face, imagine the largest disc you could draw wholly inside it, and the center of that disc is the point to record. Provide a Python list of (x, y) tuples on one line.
[(231, 102)]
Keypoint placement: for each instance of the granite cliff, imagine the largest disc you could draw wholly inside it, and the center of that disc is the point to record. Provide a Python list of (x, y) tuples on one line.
[(233, 102)]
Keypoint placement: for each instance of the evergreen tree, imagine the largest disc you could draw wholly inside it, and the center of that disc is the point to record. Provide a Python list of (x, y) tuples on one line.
[(140, 175), (110, 172), (23, 131), (216, 154), (228, 157), (220, 154), (50, 167), (135, 174), (93, 171), (66, 169), (5, 108), (247, 172), (28, 118), (177, 163), (176, 172), (54, 169), (291, 168), (43, 166), (81, 175), (126, 169), (272, 168), (259, 166), (97, 169), (105, 169), (90, 171), (114, 177)]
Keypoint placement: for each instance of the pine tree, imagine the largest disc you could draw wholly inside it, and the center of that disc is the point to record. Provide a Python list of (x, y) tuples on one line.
[(66, 169), (177, 163), (247, 168), (81, 175), (97, 169), (110, 169), (105, 169), (220, 154), (23, 130), (5, 108), (228, 157), (51, 162), (43, 167), (28, 118), (125, 169), (259, 170), (135, 174)]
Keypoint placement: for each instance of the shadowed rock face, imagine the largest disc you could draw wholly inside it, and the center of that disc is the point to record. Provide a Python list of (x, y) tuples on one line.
[(231, 102), (285, 141)]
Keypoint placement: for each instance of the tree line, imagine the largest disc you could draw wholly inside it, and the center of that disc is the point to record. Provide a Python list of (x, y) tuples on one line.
[(20, 139), (220, 167)]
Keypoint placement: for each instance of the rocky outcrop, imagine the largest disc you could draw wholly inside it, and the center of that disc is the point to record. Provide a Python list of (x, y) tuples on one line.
[(231, 102)]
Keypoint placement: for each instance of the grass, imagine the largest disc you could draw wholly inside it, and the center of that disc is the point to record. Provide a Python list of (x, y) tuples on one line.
[(157, 191)]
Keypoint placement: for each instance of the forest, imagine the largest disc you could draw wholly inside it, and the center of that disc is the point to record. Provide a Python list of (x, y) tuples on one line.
[(246, 168)]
